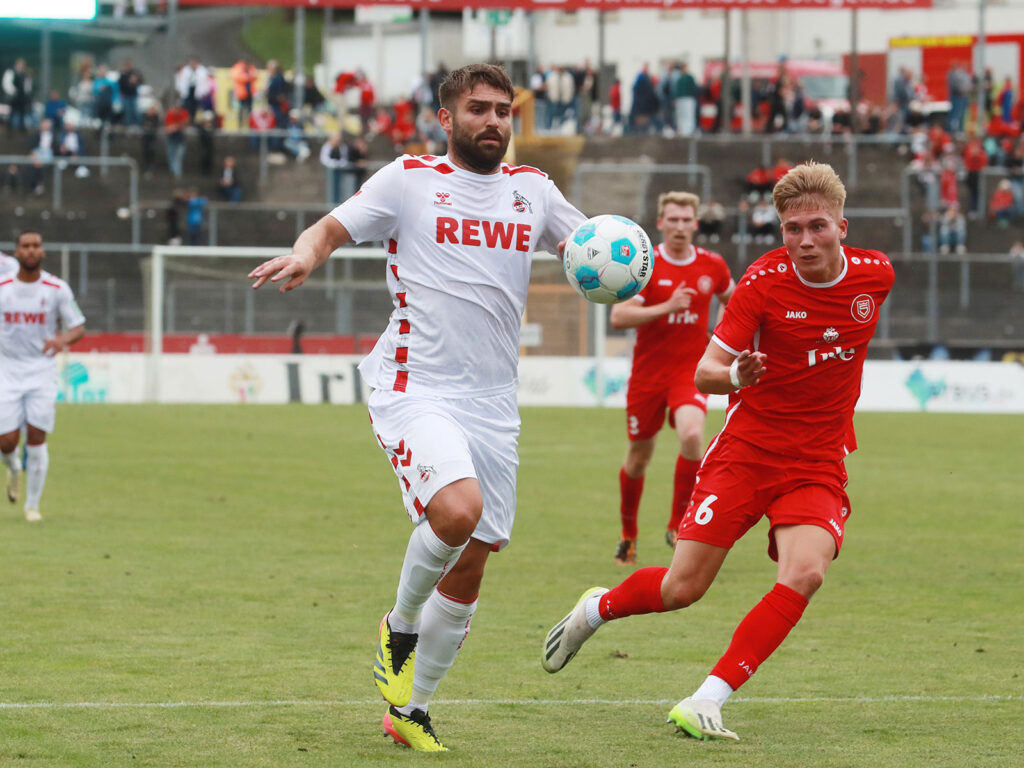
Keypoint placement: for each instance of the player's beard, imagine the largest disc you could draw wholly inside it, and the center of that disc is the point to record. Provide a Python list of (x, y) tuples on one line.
[(30, 266), (477, 157)]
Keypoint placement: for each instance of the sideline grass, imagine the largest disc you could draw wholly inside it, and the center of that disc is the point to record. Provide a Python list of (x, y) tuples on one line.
[(207, 582)]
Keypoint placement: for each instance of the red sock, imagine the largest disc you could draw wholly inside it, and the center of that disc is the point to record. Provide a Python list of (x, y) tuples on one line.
[(759, 634), (682, 489), (639, 593), (630, 490)]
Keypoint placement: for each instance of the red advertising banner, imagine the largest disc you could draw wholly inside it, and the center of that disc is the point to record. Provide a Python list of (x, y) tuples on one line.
[(600, 5)]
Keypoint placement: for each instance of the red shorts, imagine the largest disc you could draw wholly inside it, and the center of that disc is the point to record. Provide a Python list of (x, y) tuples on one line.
[(738, 483), (645, 407)]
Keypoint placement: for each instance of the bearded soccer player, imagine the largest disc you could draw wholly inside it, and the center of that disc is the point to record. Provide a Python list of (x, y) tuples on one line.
[(671, 320), (790, 352), (460, 232), (33, 304)]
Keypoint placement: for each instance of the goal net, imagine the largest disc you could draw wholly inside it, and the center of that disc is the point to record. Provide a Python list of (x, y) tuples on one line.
[(198, 299)]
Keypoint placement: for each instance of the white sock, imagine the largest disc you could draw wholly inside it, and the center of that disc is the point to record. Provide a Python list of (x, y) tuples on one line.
[(593, 605), (11, 460), (443, 629), (35, 474), (427, 559), (715, 689)]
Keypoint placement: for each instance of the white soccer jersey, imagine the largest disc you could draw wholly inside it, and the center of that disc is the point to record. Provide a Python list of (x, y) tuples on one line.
[(8, 265), (460, 245), (29, 314)]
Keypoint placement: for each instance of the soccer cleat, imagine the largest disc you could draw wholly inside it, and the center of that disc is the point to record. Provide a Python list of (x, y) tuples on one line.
[(670, 537), (626, 553), (413, 730), (701, 719), (12, 484), (33, 516), (568, 636), (392, 669)]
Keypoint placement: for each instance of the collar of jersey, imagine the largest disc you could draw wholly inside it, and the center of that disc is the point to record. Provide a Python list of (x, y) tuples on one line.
[(830, 283), (486, 178), (678, 262)]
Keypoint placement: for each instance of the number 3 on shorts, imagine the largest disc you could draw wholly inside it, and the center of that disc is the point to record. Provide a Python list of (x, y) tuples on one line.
[(704, 512)]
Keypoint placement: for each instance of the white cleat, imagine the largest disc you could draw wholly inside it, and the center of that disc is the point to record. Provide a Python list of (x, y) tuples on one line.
[(569, 635), (13, 476), (701, 719), (33, 516)]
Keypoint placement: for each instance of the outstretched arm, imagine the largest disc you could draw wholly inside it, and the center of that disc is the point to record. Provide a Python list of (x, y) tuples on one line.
[(312, 248)]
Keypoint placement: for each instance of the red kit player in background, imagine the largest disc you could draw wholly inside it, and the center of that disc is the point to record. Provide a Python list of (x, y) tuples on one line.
[(790, 352), (671, 320)]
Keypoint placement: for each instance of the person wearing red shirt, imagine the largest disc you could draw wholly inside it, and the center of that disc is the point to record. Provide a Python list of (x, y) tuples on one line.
[(176, 120), (975, 160), (759, 181), (615, 101), (781, 168), (790, 353), (367, 99), (937, 141), (671, 320)]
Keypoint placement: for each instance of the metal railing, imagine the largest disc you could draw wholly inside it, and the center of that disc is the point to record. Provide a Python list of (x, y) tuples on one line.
[(61, 164), (939, 297)]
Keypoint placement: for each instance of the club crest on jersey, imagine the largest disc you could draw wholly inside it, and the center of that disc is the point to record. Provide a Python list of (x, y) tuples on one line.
[(862, 308), (425, 471), (782, 267), (830, 335), (442, 198), (704, 283), (520, 203)]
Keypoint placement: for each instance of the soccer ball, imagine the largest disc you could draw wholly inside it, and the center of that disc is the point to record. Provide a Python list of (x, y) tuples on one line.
[(608, 259)]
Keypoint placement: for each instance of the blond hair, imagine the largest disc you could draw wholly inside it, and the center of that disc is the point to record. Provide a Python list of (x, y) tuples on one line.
[(682, 199), (807, 185)]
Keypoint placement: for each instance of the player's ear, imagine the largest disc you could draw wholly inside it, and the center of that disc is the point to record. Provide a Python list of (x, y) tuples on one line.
[(444, 117), (843, 224)]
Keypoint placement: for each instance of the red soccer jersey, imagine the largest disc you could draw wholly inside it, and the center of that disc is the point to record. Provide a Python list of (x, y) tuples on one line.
[(816, 339), (671, 345)]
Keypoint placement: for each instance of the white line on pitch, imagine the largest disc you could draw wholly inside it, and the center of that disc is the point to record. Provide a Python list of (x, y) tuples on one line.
[(8, 705)]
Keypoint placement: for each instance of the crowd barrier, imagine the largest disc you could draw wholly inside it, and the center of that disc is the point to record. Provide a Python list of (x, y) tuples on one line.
[(932, 386)]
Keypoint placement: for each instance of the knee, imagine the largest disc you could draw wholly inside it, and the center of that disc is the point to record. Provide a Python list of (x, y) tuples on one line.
[(635, 464), (680, 593), (455, 511), (804, 578), (690, 444)]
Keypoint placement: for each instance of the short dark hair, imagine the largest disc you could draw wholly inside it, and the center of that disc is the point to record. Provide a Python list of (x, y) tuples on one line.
[(464, 79), (27, 231)]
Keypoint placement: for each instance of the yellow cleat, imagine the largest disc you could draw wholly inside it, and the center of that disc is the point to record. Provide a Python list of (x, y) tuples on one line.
[(413, 730), (392, 669), (700, 719)]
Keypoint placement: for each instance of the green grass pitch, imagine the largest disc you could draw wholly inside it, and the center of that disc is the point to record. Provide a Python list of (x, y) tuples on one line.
[(206, 585)]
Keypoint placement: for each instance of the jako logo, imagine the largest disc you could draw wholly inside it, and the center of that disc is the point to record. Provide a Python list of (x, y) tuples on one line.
[(794, 315)]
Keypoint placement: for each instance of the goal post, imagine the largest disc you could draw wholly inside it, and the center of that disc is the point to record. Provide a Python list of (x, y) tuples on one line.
[(204, 292)]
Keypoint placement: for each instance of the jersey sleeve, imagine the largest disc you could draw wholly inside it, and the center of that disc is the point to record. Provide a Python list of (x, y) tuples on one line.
[(723, 278), (372, 213), (742, 319), (70, 314), (561, 219)]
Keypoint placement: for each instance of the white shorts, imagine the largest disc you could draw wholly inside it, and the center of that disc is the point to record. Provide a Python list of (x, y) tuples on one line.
[(432, 442), (27, 402)]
